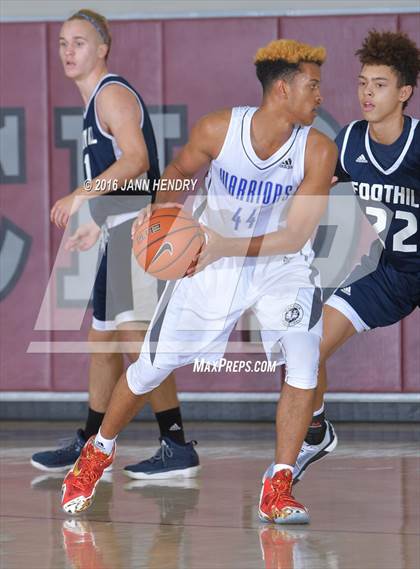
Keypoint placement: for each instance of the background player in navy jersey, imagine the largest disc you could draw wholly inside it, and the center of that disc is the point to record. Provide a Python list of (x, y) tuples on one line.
[(119, 146), (380, 155), (268, 180)]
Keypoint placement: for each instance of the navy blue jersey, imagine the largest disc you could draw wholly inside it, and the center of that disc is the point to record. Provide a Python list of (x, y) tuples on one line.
[(100, 151), (386, 175)]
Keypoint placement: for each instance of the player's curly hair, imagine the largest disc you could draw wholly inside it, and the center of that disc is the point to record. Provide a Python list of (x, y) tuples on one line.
[(99, 22), (394, 49), (280, 59)]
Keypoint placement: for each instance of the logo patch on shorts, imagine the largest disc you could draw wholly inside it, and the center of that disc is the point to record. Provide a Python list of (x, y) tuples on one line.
[(293, 314)]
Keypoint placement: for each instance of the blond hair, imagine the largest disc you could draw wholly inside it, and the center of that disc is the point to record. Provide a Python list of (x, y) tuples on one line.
[(281, 59), (99, 22), (291, 51)]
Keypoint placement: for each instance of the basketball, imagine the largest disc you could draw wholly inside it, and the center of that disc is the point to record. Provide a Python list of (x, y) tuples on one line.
[(167, 242)]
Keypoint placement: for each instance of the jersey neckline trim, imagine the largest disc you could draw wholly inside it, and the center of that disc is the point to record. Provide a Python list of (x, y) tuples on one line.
[(344, 146), (249, 151), (97, 86), (401, 157)]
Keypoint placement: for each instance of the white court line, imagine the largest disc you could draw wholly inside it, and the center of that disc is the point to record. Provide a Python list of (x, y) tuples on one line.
[(224, 397)]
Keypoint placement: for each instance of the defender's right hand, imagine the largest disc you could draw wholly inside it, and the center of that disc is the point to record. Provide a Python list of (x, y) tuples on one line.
[(84, 238)]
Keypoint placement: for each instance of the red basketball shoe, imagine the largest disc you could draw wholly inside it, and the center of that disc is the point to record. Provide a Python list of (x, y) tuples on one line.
[(80, 483), (277, 503)]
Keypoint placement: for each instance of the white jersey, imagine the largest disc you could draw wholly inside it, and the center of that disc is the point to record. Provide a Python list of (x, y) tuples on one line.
[(247, 196)]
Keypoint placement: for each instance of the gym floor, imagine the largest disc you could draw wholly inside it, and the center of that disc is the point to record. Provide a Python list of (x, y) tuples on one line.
[(363, 501)]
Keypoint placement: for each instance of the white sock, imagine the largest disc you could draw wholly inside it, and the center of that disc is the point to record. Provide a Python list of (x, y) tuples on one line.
[(105, 445), (278, 467), (320, 410)]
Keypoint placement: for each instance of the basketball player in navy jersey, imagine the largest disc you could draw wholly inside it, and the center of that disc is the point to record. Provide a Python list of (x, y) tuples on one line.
[(268, 181), (380, 155), (119, 145)]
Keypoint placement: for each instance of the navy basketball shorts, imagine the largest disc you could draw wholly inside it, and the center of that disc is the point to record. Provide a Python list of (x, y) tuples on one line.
[(379, 298), (122, 292)]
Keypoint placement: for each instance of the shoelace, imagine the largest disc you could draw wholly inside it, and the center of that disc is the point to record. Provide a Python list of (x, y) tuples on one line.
[(90, 470), (281, 488), (302, 454), (68, 444), (71, 447), (87, 477), (163, 452), (281, 485), (303, 448)]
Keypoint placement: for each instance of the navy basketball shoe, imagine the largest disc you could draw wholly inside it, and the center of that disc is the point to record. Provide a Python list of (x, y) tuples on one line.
[(61, 459), (171, 460)]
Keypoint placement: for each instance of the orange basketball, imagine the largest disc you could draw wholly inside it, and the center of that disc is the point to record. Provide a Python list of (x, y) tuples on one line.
[(167, 242)]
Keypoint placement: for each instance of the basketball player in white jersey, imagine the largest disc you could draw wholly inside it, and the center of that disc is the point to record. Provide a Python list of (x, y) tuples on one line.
[(267, 187), (119, 145)]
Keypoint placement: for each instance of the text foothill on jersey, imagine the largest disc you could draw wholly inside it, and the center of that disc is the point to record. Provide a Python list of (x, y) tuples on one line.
[(387, 193)]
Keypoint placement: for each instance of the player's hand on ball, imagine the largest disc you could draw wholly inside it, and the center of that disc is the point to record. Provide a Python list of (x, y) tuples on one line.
[(147, 212), (213, 249), (84, 238), (64, 208)]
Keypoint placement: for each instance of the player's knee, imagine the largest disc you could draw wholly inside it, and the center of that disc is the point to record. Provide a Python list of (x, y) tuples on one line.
[(102, 335), (302, 359), (102, 360), (143, 377), (103, 347), (131, 336), (131, 342)]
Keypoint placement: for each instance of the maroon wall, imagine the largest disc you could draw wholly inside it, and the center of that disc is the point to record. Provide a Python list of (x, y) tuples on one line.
[(26, 203), (200, 65)]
